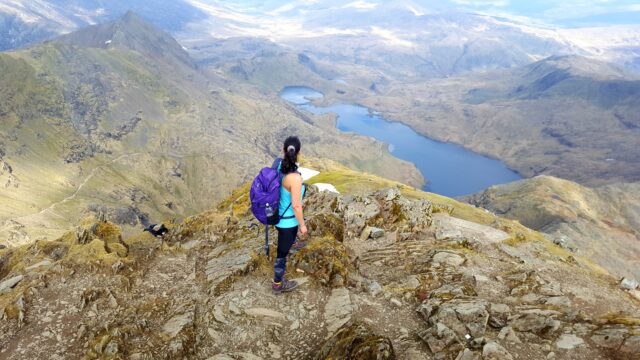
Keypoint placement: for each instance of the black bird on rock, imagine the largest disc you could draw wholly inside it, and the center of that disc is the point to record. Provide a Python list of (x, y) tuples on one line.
[(157, 230)]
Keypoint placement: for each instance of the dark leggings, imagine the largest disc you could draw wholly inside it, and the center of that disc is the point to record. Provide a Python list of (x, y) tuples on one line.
[(286, 238)]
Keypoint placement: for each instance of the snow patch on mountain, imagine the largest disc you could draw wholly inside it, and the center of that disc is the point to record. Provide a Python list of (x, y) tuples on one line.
[(390, 37)]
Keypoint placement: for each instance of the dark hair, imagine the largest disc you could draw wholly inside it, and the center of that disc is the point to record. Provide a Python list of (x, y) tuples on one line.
[(291, 149)]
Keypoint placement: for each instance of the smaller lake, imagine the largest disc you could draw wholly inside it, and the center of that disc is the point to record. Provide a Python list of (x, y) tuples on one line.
[(451, 170)]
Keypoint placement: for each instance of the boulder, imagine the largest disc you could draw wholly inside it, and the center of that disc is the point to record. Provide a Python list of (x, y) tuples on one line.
[(440, 338), (629, 284), (371, 232), (463, 316), (467, 354), (10, 283), (537, 321), (498, 315), (356, 341), (448, 259), (358, 213), (507, 334), (493, 351), (568, 342)]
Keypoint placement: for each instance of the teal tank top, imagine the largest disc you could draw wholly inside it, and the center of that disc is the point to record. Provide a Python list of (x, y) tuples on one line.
[(287, 218)]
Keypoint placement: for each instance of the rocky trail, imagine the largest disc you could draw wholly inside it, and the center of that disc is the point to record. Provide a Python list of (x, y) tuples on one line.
[(382, 277)]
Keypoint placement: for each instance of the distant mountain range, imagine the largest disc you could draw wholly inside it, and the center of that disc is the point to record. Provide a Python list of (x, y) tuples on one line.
[(402, 38)]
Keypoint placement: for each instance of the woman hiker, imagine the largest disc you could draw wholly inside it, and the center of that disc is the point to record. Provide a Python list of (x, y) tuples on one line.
[(291, 220)]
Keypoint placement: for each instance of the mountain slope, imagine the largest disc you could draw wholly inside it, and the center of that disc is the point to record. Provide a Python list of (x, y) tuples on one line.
[(29, 22), (133, 130), (203, 292), (133, 33), (569, 117), (602, 223)]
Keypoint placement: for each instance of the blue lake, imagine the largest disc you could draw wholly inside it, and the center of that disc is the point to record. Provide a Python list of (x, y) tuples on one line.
[(451, 170)]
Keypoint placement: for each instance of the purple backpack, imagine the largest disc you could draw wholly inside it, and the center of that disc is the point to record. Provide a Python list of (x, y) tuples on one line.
[(265, 198)]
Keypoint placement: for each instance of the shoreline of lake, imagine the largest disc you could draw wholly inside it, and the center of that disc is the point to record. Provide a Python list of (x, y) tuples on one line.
[(449, 168)]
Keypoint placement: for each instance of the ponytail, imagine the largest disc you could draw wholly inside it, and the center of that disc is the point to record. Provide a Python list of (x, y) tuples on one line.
[(291, 149)]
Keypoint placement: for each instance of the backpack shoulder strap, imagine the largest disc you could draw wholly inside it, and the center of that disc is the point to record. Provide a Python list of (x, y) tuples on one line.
[(276, 163)]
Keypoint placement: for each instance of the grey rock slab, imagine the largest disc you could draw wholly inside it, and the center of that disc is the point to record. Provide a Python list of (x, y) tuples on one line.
[(446, 234), (218, 314), (498, 315), (631, 346), (190, 244), (610, 338), (535, 321), (569, 342), (229, 264), (178, 323), (43, 263), (467, 354), (558, 301), (464, 317), (235, 356), (507, 334), (338, 309), (439, 337), (10, 283), (265, 313), (482, 233), (448, 259), (493, 351), (376, 233)]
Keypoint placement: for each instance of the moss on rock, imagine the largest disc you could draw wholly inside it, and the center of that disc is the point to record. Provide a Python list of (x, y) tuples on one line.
[(358, 342), (325, 225), (326, 260)]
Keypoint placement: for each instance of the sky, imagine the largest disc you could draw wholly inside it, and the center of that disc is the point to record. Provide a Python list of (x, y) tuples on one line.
[(567, 13), (562, 13)]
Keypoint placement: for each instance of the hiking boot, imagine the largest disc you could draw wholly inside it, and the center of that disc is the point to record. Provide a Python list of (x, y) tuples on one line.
[(284, 286)]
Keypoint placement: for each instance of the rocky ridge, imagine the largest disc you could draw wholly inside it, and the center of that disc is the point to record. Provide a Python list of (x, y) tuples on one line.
[(600, 223), (427, 285)]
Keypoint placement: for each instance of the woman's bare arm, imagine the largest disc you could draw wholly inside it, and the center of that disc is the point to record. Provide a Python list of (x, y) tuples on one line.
[(296, 198)]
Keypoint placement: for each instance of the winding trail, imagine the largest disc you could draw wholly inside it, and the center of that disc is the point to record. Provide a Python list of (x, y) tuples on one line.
[(50, 209), (86, 180)]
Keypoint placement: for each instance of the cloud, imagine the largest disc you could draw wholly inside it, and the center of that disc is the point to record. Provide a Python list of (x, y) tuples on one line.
[(553, 11), (361, 5), (482, 3)]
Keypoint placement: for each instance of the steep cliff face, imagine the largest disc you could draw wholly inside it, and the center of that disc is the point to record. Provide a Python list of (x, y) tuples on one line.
[(483, 287), (601, 223)]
